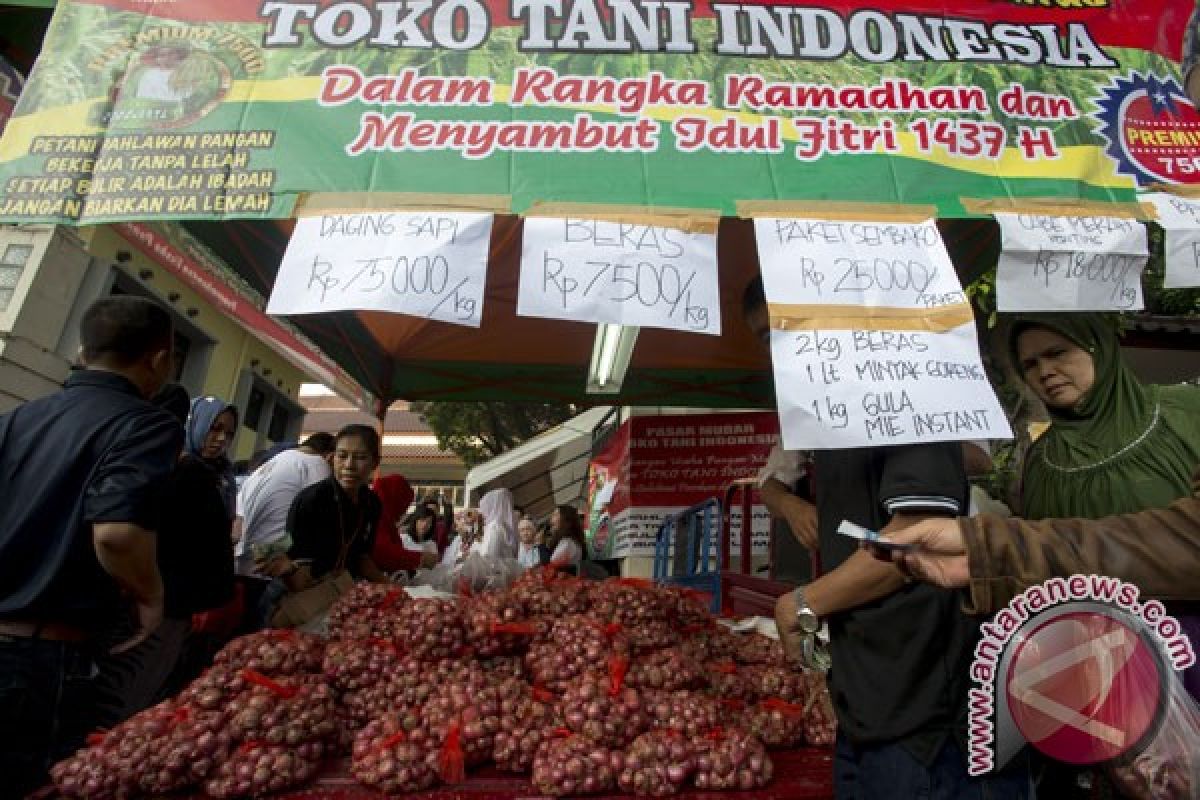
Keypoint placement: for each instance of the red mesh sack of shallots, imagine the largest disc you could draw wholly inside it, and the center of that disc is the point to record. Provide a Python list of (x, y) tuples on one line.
[(281, 712), (575, 765), (393, 759), (165, 748), (732, 759), (503, 667), (256, 769), (754, 648), (820, 722), (726, 681), (657, 764), (779, 724), (431, 629), (577, 644), (777, 681), (632, 602), (528, 718), (215, 688), (686, 608), (602, 708), (495, 625), (195, 742), (651, 635), (274, 653), (354, 664), (91, 773), (473, 710), (546, 591), (665, 669), (369, 610), (692, 713)]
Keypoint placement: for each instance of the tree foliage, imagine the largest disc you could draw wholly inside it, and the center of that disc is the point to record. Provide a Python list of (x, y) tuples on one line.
[(476, 432)]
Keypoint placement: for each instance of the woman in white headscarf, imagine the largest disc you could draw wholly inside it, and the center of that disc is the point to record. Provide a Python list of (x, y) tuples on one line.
[(499, 532)]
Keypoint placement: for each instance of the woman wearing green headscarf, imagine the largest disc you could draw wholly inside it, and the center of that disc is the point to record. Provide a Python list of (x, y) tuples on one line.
[(1115, 445)]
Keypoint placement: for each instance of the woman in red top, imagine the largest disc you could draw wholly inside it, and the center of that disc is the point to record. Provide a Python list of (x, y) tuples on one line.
[(389, 553)]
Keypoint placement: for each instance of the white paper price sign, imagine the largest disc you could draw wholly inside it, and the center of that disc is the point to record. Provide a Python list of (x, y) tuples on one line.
[(424, 264), (872, 342), (1180, 220), (1054, 263), (897, 265), (618, 272)]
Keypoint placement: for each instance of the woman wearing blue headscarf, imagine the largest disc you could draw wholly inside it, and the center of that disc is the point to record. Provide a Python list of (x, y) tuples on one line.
[(210, 429), (201, 602)]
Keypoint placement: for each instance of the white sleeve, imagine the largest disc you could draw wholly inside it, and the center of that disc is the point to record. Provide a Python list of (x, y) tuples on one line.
[(785, 466)]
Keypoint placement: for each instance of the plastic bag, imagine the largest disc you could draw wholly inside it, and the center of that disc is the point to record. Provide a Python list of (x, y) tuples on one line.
[(482, 574), (475, 575), (1168, 766)]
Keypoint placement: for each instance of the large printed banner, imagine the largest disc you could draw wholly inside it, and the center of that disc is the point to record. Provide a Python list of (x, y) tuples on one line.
[(664, 464), (234, 108)]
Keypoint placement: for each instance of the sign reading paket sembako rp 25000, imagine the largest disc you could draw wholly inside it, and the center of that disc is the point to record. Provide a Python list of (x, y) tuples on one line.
[(233, 108)]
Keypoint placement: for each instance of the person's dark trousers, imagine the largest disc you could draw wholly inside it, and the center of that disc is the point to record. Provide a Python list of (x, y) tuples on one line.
[(882, 772), (44, 704)]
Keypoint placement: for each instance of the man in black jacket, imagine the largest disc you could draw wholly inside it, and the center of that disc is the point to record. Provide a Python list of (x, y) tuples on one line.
[(80, 473)]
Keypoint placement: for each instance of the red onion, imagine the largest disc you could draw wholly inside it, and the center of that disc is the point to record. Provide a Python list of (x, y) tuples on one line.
[(731, 758), (687, 609), (691, 713), (431, 629), (727, 682), (274, 652), (665, 669), (257, 769), (657, 764), (774, 681), (549, 592), (394, 759), (577, 644), (779, 724), (496, 626), (284, 713), (527, 719), (758, 649), (474, 709), (600, 708), (354, 664), (630, 602), (575, 765), (369, 610), (820, 722)]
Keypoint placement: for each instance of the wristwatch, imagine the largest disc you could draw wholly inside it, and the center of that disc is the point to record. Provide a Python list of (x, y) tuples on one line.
[(806, 618)]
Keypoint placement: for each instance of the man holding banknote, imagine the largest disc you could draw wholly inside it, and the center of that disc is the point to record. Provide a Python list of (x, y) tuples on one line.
[(901, 651)]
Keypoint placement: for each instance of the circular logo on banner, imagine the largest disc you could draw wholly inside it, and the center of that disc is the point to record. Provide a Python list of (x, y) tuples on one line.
[(1084, 687), (1151, 128), (169, 86)]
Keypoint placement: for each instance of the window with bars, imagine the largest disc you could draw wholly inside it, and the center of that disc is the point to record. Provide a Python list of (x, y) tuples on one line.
[(12, 263)]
